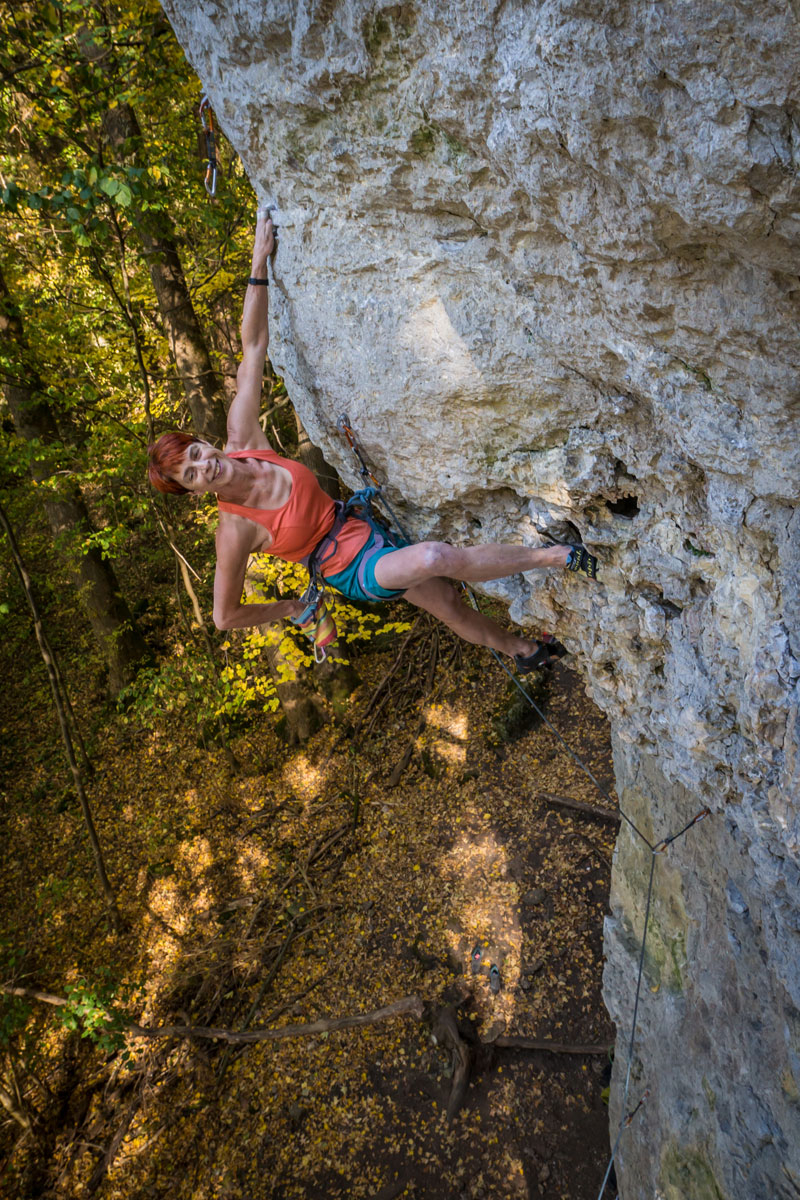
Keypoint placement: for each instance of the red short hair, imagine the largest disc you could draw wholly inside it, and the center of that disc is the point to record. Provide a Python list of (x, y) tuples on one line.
[(165, 456)]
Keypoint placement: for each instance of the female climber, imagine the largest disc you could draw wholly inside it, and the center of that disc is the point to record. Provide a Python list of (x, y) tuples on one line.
[(272, 504)]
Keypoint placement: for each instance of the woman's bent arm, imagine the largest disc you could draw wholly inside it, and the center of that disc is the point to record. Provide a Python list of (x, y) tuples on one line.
[(234, 546), (258, 614)]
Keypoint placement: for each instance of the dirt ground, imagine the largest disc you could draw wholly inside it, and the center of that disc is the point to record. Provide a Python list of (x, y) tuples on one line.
[(326, 883)]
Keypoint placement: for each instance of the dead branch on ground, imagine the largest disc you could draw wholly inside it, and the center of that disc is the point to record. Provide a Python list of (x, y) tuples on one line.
[(590, 810), (524, 1043), (411, 1005)]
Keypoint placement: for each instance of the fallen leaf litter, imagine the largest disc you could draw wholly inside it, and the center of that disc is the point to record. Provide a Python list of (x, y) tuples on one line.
[(221, 872)]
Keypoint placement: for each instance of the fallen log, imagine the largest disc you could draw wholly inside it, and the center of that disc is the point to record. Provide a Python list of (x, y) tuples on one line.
[(590, 810), (525, 1043)]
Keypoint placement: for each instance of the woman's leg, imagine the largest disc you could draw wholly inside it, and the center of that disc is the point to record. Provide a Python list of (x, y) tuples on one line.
[(413, 565), (439, 597)]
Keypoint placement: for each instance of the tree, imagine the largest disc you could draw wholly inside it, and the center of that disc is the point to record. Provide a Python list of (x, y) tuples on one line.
[(186, 338), (61, 703), (106, 610), (302, 710)]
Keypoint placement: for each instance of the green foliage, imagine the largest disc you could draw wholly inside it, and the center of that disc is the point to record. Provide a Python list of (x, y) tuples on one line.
[(110, 540), (76, 208), (14, 1013), (187, 687), (85, 182), (77, 204), (92, 1009)]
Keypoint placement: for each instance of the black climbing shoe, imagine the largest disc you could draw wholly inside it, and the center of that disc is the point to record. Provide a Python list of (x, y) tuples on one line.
[(476, 958), (495, 983), (581, 560), (543, 656)]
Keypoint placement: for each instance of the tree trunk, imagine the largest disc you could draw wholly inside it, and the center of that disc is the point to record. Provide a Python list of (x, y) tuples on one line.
[(53, 675), (186, 340), (98, 591), (185, 335), (301, 708)]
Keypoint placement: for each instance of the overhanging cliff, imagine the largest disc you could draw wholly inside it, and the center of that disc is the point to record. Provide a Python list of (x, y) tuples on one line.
[(546, 257)]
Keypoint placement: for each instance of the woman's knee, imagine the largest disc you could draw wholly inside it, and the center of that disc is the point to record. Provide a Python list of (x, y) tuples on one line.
[(437, 558)]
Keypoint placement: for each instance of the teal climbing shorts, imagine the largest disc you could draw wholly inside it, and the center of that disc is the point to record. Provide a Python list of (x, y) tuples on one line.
[(357, 581)]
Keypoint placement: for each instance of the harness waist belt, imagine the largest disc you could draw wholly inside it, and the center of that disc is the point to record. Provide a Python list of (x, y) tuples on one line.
[(314, 561), (360, 506)]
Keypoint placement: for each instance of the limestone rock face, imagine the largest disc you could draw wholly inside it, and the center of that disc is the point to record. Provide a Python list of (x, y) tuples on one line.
[(546, 257)]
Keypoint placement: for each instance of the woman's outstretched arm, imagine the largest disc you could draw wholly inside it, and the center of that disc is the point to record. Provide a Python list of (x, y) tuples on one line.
[(244, 431)]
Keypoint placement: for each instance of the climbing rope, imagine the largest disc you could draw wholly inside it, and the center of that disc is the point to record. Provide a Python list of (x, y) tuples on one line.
[(655, 848), (627, 1118), (658, 848)]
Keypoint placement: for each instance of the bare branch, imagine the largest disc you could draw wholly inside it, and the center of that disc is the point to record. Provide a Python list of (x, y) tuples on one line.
[(411, 1005)]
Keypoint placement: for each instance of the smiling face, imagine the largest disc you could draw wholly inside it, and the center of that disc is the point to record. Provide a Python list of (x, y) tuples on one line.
[(203, 468)]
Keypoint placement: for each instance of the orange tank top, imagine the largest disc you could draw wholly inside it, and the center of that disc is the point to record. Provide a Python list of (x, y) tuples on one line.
[(299, 524)]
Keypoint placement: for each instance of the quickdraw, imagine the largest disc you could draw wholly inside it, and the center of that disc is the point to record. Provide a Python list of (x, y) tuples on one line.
[(212, 166), (316, 622), (343, 425)]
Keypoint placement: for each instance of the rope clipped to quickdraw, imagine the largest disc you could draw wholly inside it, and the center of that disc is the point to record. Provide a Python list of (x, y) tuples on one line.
[(375, 487), (212, 166)]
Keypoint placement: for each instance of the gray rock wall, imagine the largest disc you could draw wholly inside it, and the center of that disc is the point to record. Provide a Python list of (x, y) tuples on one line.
[(546, 256)]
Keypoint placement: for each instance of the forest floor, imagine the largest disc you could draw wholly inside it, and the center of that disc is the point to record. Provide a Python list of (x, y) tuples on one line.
[(315, 883)]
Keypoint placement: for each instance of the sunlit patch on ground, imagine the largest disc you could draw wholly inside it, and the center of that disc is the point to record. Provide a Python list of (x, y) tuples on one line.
[(303, 777), (484, 915), (452, 726)]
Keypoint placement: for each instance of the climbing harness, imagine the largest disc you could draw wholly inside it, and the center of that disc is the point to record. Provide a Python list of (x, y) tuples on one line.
[(212, 166), (315, 620), (580, 560)]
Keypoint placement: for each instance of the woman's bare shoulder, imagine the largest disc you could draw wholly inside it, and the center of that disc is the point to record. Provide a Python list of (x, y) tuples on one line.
[(256, 442)]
